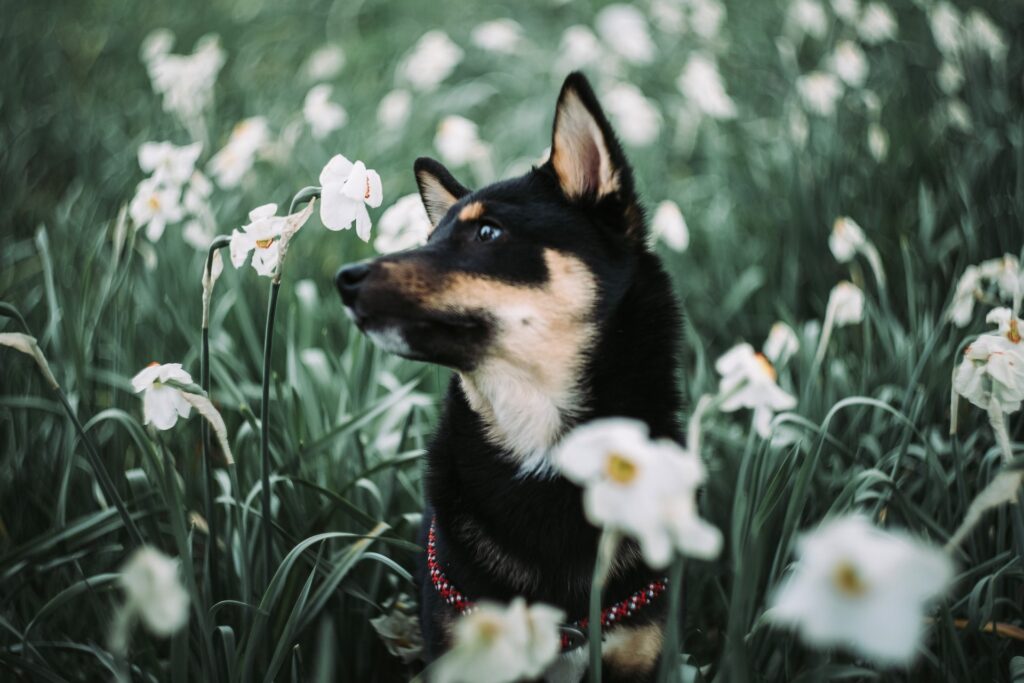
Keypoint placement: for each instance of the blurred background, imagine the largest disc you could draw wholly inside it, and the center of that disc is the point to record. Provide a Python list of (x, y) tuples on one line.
[(762, 122)]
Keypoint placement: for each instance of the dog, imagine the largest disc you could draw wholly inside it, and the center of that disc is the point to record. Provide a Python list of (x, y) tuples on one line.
[(542, 294)]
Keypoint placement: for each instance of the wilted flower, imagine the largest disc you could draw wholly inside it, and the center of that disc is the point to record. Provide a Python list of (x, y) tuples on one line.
[(642, 487), (498, 644), (750, 381), (347, 189), (399, 629), (154, 591), (458, 142), (503, 36), (781, 343), (233, 161), (578, 48), (323, 116), (877, 24), (636, 118), (807, 17), (403, 225), (702, 85), (169, 164), (162, 405), (819, 91), (431, 60), (154, 206), (993, 365), (669, 226), (863, 588), (325, 63), (849, 63), (878, 141), (393, 110), (846, 304), (624, 28)]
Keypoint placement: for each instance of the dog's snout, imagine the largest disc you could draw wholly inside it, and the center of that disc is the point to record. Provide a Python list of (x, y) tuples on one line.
[(349, 279)]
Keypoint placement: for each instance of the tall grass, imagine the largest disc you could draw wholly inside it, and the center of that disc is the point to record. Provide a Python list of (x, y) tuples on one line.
[(348, 424)]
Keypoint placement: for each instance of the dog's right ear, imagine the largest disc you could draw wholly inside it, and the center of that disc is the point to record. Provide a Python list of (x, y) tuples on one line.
[(438, 189)]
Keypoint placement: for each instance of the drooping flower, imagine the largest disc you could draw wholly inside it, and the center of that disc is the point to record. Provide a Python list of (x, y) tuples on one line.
[(502, 36), (323, 116), (636, 118), (624, 28), (162, 404), (325, 63), (167, 163), (819, 91), (347, 189), (154, 591), (669, 226), (702, 85), (403, 225), (849, 63), (154, 206), (233, 161), (749, 380), (394, 108), (877, 24), (458, 142), (846, 304), (862, 588), (846, 239), (499, 644), (431, 60), (993, 365), (781, 343), (644, 488)]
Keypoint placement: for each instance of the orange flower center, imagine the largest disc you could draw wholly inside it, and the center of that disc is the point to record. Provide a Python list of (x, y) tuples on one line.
[(1014, 333), (366, 195), (153, 364), (848, 580), (766, 366), (154, 203), (620, 468), (265, 244)]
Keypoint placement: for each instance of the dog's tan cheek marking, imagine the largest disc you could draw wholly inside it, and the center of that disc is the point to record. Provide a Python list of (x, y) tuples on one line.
[(633, 649), (471, 211), (407, 278)]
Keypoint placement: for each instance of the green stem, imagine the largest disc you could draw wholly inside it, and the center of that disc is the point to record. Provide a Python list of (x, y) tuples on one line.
[(671, 647), (212, 565), (606, 547), (268, 342), (302, 196)]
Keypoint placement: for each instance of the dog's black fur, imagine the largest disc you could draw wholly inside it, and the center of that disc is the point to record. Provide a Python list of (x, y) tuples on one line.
[(505, 531)]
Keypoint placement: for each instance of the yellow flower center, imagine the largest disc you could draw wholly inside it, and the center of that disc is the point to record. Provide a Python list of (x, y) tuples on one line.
[(265, 244), (766, 366), (848, 580), (1014, 333), (153, 202), (620, 468), (489, 631)]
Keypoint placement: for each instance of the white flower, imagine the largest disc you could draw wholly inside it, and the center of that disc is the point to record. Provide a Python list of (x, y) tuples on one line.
[(702, 85), (1006, 273), (878, 142), (667, 16), (863, 588), (749, 381), (458, 142), (807, 17), (669, 226), (624, 28), (877, 24), (154, 206), (993, 365), (981, 34), (431, 61), (706, 17), (641, 487), (845, 304), (168, 163), (266, 237), (819, 91), (186, 81), (157, 43), (325, 63), (846, 239), (636, 118), (393, 110), (968, 289), (347, 189), (323, 116), (847, 10), (162, 405), (154, 591), (503, 36), (944, 20), (403, 225), (578, 48), (849, 63), (233, 161), (781, 343), (498, 644)]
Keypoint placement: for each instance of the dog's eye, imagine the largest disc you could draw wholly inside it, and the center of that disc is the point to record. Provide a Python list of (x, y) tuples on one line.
[(487, 232)]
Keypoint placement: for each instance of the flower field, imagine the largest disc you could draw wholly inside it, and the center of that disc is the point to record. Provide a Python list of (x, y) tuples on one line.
[(208, 473)]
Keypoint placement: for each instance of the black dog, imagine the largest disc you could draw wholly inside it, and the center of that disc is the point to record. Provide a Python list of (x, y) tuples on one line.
[(541, 293)]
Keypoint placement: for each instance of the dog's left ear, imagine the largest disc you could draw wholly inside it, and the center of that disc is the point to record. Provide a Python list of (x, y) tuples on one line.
[(585, 154)]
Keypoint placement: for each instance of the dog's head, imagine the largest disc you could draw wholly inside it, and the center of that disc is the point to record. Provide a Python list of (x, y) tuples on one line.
[(520, 272)]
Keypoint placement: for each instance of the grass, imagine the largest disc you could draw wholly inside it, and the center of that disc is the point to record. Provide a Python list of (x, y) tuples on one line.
[(348, 424)]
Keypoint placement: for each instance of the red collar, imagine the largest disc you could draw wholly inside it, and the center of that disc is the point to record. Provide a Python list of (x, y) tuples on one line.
[(572, 633)]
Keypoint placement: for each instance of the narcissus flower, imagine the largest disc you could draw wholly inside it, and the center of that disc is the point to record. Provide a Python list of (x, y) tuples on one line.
[(702, 86), (162, 405), (154, 592), (503, 36), (579, 47), (499, 644), (347, 189), (403, 225), (846, 239), (819, 91), (993, 365), (154, 206), (877, 24), (849, 63), (845, 304), (233, 161), (458, 142), (394, 108), (781, 343), (325, 63), (624, 28), (862, 588), (807, 17), (636, 118), (167, 163), (323, 116), (669, 226), (749, 380), (265, 236), (431, 61)]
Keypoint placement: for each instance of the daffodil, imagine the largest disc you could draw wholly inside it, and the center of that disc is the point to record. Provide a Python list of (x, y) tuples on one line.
[(702, 85), (968, 290), (992, 369), (781, 343), (154, 591), (325, 63), (347, 189), (233, 161), (636, 118), (749, 380), (806, 17), (669, 226), (403, 225), (859, 587), (499, 644), (431, 60), (185, 81), (819, 91), (845, 304), (167, 163), (154, 206), (458, 142), (323, 116), (162, 404), (394, 109), (265, 237), (877, 24), (624, 28), (502, 36)]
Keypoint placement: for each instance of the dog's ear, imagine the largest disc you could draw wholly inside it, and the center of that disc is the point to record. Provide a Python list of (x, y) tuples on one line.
[(585, 154), (438, 189)]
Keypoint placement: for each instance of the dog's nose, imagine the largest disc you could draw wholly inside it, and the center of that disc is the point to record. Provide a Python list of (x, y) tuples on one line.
[(348, 280)]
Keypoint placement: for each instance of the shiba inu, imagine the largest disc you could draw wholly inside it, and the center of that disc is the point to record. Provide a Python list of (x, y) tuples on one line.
[(542, 295)]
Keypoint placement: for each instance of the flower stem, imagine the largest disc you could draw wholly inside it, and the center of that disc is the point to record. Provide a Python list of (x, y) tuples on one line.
[(268, 342), (823, 339), (671, 645), (302, 196), (606, 547)]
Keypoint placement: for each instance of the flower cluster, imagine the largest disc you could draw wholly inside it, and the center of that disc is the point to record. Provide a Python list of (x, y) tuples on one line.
[(158, 200), (184, 81), (992, 370), (994, 280)]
